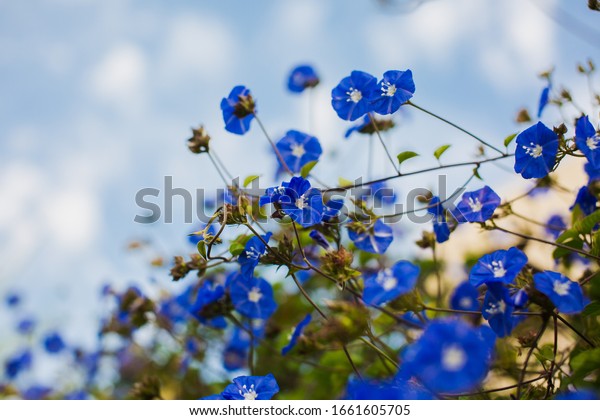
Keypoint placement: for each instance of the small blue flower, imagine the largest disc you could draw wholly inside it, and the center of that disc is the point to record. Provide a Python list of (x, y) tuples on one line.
[(53, 343), (450, 356), (375, 238), (210, 292), (296, 334), (251, 388), (332, 209), (565, 294), (36, 392), (555, 226), (253, 297), (588, 141), (586, 201), (395, 89), (476, 206), (498, 309), (536, 151), (499, 266), (350, 98), (302, 77), (26, 326), (12, 300), (320, 240), (380, 191), (17, 363), (194, 236), (390, 283), (297, 149), (396, 389), (253, 251), (465, 297), (440, 223), (298, 200), (544, 99), (238, 110)]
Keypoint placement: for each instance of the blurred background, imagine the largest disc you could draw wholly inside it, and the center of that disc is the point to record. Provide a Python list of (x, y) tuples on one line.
[(97, 99)]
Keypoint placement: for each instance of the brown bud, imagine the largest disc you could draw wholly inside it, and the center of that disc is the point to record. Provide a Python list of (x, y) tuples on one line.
[(198, 143), (523, 116)]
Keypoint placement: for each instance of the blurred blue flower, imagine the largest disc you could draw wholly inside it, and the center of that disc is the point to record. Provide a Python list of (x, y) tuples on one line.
[(302, 77), (210, 292), (536, 151), (296, 334), (544, 96), (77, 395), (350, 97), (26, 326), (588, 141), (396, 389), (375, 238), (476, 206), (380, 191), (36, 392), (498, 266), (555, 225), (498, 309), (253, 297), (586, 201), (565, 294), (238, 110), (390, 283), (17, 363), (297, 149), (12, 300), (253, 250), (297, 199), (395, 89), (53, 343), (580, 394), (251, 388), (235, 355), (440, 223), (464, 297)]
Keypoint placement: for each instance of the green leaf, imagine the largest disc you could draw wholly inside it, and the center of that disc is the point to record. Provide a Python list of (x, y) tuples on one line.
[(307, 168), (202, 248), (509, 139), (476, 173), (249, 179), (440, 151), (236, 248), (593, 309), (584, 364), (343, 182), (586, 225), (405, 156)]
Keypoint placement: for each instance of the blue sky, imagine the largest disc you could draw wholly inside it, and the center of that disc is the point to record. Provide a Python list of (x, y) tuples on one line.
[(97, 99)]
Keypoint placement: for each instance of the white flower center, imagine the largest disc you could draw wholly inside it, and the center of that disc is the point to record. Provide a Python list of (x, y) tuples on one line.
[(533, 150), (453, 358), (354, 95), (475, 204), (253, 253), (592, 142), (301, 202), (254, 295), (498, 269), (388, 89), (560, 288), (249, 394), (298, 150), (496, 308), (386, 279), (465, 302)]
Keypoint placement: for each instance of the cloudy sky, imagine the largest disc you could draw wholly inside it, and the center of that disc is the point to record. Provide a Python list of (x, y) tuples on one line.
[(97, 99)]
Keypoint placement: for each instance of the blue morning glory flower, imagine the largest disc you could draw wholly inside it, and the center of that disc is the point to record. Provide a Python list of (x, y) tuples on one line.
[(593, 173), (555, 226), (588, 141), (499, 266), (332, 209), (298, 200), (565, 294), (465, 297), (544, 99), (380, 191), (210, 292), (440, 223), (302, 77), (498, 309), (252, 297), (395, 89), (238, 110), (251, 388), (586, 201), (194, 237), (396, 389), (390, 283), (476, 206), (536, 151), (297, 149), (450, 356), (296, 334), (53, 343), (253, 251), (350, 98), (375, 238), (17, 363)]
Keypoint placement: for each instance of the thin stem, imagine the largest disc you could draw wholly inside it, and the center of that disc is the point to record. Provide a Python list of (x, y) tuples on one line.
[(387, 152), (251, 334), (575, 330), (220, 162), (381, 352), (354, 368), (529, 353), (275, 149), (550, 387), (308, 298), (218, 169), (489, 391), (480, 140), (438, 277), (370, 157)]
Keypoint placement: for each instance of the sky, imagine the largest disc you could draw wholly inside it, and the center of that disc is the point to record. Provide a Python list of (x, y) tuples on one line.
[(97, 99)]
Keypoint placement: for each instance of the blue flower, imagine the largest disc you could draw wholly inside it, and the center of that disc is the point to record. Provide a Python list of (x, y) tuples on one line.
[(476, 206), (390, 283), (235, 355), (253, 250), (586, 201), (298, 200), (253, 297), (296, 334), (209, 293), (12, 300), (375, 238), (544, 99), (440, 223), (450, 356), (350, 98), (238, 110), (588, 141), (320, 240), (465, 297), (332, 209), (536, 151), (396, 389), (297, 149), (302, 77), (53, 343), (593, 173), (17, 363), (499, 266), (555, 225), (498, 309), (395, 89), (565, 294), (26, 326), (36, 392), (251, 388), (381, 193), (195, 236), (580, 394), (519, 298)]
